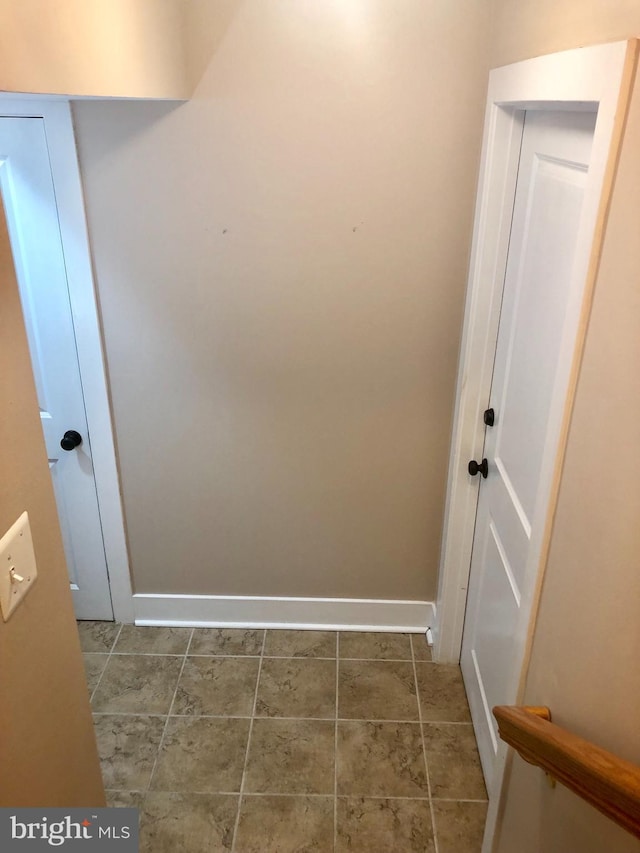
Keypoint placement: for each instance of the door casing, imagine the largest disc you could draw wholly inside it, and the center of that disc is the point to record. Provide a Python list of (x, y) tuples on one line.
[(601, 77), (56, 114)]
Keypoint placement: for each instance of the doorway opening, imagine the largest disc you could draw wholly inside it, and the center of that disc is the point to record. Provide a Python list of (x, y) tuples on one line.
[(584, 81)]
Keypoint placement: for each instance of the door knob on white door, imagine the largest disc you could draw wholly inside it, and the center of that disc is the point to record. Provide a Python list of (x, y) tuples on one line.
[(478, 468), (70, 439)]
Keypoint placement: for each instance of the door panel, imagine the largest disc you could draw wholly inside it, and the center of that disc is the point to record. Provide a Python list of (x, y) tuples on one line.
[(29, 200), (497, 610), (527, 355), (537, 291)]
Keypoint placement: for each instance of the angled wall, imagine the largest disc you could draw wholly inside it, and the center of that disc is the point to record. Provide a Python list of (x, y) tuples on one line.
[(48, 751)]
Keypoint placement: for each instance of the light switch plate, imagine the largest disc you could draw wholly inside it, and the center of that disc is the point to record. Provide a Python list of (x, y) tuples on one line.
[(17, 565)]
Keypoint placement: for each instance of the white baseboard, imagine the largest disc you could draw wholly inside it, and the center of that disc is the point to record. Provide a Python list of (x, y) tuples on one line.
[(239, 611)]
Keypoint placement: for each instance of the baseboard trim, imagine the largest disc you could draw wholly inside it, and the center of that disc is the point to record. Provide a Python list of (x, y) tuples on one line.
[(239, 611)]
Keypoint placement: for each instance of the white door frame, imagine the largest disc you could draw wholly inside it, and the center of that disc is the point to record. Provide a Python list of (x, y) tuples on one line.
[(58, 125), (599, 76)]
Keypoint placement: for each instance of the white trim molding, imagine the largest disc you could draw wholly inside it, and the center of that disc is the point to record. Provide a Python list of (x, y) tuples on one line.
[(249, 611), (56, 115)]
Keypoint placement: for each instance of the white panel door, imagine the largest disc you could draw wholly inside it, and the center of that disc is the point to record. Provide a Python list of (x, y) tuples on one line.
[(30, 205), (524, 437)]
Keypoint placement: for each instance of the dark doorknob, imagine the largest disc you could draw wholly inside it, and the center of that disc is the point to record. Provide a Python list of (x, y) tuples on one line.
[(70, 439), (479, 468), (489, 417)]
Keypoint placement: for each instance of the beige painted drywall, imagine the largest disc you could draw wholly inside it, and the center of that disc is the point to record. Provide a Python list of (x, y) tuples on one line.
[(48, 753), (281, 267), (521, 29), (587, 637), (119, 48)]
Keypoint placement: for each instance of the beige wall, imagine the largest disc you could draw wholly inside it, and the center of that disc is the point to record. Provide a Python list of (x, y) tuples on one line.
[(281, 268), (521, 29), (121, 48), (584, 663), (48, 753)]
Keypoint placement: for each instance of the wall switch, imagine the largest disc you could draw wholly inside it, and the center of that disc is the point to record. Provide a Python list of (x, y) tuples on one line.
[(17, 565)]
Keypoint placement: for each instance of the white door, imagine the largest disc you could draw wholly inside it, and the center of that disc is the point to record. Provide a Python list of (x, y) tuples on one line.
[(522, 443), (30, 205)]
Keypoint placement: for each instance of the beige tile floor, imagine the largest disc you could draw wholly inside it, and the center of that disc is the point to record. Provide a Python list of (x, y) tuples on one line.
[(284, 741)]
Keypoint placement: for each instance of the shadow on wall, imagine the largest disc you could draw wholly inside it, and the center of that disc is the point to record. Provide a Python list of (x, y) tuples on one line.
[(140, 117)]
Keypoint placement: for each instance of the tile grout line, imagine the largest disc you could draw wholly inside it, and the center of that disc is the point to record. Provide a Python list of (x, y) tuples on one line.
[(292, 719), (166, 724), (246, 755), (424, 749), (260, 717), (459, 800), (307, 795), (255, 657), (106, 663), (335, 748)]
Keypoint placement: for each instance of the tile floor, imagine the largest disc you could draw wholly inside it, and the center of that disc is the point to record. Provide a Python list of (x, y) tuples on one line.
[(284, 741)]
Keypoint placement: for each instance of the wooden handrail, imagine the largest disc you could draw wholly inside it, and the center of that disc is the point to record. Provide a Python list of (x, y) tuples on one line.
[(609, 783)]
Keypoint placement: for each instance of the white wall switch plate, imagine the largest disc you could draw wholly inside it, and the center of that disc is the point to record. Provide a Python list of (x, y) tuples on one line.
[(17, 565)]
